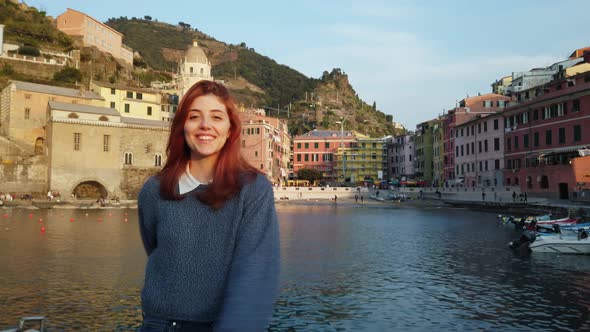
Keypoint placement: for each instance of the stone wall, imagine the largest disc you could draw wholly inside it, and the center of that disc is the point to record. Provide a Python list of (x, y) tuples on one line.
[(132, 179), (21, 172), (144, 143), (37, 70)]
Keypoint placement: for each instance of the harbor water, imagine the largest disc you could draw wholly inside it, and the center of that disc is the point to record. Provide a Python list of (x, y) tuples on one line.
[(345, 267)]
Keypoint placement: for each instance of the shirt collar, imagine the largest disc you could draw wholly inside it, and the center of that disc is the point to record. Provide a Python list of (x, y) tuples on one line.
[(187, 182)]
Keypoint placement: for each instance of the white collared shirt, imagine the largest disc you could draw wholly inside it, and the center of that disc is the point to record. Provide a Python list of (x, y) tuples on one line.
[(187, 182)]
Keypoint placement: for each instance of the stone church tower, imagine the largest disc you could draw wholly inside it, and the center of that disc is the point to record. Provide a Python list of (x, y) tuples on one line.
[(193, 67)]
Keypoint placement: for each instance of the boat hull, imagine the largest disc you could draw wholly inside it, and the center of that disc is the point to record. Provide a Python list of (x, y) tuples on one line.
[(555, 244)]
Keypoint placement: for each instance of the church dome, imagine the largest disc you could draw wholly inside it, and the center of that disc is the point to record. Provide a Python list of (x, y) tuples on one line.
[(195, 54)]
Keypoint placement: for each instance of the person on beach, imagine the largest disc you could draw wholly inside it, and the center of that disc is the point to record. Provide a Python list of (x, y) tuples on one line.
[(208, 225)]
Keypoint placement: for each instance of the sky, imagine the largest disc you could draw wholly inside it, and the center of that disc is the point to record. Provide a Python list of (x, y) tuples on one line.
[(414, 59)]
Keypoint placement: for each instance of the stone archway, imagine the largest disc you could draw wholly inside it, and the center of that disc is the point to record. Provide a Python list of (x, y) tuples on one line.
[(39, 146), (90, 190)]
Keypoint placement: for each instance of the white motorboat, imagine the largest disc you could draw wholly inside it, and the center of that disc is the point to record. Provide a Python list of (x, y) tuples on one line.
[(579, 244)]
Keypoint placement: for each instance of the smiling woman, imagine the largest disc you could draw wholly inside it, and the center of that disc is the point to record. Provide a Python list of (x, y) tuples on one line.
[(205, 131), (208, 225)]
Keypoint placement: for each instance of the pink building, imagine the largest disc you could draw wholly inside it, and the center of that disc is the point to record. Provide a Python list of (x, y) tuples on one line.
[(479, 153), (466, 111), (316, 150), (266, 144), (93, 33)]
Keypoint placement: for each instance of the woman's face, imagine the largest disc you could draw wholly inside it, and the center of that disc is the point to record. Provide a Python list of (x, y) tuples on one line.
[(206, 127)]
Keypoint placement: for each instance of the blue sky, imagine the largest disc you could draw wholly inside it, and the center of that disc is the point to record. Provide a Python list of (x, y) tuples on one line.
[(413, 58)]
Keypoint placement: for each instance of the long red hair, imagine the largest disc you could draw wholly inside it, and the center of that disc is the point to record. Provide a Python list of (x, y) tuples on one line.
[(231, 170)]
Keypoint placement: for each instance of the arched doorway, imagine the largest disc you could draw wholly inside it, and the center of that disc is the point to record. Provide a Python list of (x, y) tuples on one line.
[(39, 146), (90, 190)]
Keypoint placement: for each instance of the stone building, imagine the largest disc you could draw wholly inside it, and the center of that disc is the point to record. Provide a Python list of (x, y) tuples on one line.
[(95, 152), (23, 119), (23, 110)]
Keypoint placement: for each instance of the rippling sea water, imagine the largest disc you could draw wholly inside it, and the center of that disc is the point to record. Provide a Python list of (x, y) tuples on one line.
[(345, 268)]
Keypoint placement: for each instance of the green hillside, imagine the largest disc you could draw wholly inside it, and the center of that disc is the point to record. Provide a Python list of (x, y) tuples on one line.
[(268, 84), (148, 38), (255, 80), (282, 84), (31, 28)]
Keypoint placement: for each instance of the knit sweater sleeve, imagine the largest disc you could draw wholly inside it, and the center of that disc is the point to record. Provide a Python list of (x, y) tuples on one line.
[(253, 278), (146, 209)]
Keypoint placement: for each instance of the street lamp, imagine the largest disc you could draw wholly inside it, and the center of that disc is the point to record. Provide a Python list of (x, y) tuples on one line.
[(341, 122)]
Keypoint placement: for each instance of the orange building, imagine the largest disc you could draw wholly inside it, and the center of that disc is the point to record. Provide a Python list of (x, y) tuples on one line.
[(94, 33)]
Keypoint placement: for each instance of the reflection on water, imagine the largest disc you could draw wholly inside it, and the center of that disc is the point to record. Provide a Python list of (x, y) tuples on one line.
[(83, 274), (343, 269)]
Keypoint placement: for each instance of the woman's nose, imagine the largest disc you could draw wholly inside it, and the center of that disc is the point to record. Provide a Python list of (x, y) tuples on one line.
[(204, 123)]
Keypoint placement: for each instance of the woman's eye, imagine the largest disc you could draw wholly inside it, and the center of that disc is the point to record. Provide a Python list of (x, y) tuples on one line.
[(217, 118)]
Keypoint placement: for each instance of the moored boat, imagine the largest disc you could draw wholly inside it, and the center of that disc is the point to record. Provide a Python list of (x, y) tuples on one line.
[(561, 221), (579, 244)]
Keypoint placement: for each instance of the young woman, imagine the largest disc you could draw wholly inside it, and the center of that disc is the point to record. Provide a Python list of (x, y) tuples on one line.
[(208, 225)]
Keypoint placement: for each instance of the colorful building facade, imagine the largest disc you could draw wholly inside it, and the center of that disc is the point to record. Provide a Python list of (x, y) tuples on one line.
[(544, 136), (316, 150)]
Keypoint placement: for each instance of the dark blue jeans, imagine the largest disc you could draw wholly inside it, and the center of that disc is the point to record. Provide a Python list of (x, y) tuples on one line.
[(152, 324)]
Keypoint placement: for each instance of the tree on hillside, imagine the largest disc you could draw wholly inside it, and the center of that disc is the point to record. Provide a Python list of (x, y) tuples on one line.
[(184, 25), (68, 75), (309, 174), (147, 18)]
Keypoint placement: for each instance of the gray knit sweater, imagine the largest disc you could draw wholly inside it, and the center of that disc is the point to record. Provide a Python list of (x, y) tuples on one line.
[(211, 266)]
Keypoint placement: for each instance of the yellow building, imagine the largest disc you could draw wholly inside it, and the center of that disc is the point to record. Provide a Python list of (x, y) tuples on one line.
[(23, 110), (132, 102), (365, 159)]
